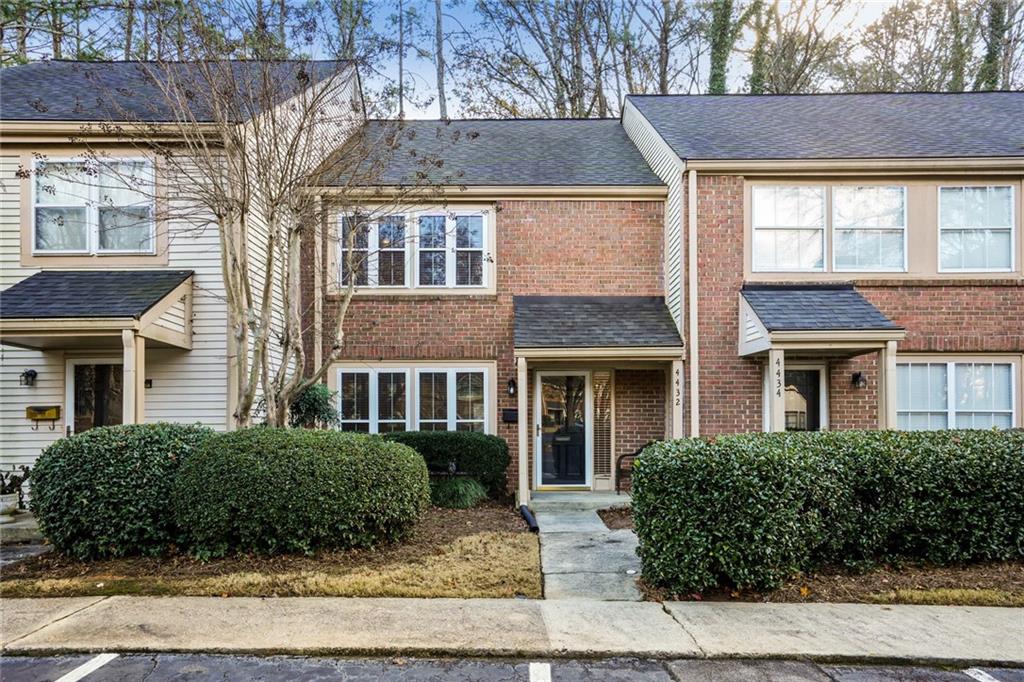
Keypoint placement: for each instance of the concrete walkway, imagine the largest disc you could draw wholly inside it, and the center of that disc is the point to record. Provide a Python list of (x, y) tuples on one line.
[(934, 635), (579, 556)]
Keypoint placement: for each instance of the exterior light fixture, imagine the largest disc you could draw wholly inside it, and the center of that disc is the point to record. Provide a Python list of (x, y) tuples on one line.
[(28, 377), (512, 387), (858, 380)]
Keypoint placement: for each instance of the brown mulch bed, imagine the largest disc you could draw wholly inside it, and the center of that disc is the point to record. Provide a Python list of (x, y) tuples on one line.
[(438, 528), (617, 518)]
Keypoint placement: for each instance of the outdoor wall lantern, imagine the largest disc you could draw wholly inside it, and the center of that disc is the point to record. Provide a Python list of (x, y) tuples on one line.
[(512, 387), (859, 380), (28, 377)]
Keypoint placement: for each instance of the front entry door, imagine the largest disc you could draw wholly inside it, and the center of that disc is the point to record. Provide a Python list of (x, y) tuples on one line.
[(94, 394), (562, 422), (803, 400)]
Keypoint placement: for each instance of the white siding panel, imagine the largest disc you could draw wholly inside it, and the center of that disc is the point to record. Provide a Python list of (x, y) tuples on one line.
[(667, 166)]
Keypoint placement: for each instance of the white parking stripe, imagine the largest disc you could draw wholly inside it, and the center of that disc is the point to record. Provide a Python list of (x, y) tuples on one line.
[(88, 667), (540, 672), (980, 675)]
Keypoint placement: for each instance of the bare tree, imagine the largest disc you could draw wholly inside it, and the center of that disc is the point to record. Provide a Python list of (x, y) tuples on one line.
[(439, 64)]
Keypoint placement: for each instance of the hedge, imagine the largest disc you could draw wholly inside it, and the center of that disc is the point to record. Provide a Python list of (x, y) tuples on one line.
[(479, 455), (104, 492), (270, 491), (457, 493), (750, 511)]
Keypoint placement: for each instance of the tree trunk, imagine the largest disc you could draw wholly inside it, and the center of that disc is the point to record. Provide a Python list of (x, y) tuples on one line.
[(995, 39), (401, 59), (439, 59), (758, 58), (129, 25), (721, 45), (959, 52), (56, 30)]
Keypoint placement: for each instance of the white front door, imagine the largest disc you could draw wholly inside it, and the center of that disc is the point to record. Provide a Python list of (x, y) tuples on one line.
[(563, 418), (94, 393)]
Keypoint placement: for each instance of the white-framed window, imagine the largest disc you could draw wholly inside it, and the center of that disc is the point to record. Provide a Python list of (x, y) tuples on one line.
[(955, 395), (81, 207), (976, 228), (433, 249), (389, 399), (788, 223), (869, 228)]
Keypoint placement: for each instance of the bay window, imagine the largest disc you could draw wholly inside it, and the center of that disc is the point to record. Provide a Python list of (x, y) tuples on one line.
[(789, 228), (869, 228), (93, 208), (421, 249), (389, 399), (955, 395), (975, 228)]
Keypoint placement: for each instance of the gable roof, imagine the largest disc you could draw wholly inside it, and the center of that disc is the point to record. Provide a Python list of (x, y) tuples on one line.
[(56, 90), (88, 293), (814, 307), (838, 126), (539, 152), (593, 322)]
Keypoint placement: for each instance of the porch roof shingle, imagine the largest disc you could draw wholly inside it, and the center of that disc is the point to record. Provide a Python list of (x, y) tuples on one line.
[(593, 321), (814, 307), (88, 293)]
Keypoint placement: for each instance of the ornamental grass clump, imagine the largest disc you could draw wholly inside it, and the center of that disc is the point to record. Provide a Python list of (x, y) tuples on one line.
[(751, 510), (270, 491)]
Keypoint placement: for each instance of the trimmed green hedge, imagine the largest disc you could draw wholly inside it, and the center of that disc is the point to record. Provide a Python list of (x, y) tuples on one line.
[(272, 490), (752, 510), (479, 455), (457, 493), (104, 492)]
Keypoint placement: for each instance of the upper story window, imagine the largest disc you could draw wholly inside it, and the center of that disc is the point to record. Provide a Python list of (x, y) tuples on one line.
[(789, 228), (976, 229), (83, 208), (869, 228), (428, 249)]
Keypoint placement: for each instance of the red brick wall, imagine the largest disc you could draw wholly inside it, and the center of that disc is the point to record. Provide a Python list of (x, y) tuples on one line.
[(639, 408), (940, 317), (611, 248)]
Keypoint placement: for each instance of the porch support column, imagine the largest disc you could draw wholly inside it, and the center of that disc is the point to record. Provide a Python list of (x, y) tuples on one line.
[(676, 398), (129, 382), (887, 386), (522, 395), (777, 392)]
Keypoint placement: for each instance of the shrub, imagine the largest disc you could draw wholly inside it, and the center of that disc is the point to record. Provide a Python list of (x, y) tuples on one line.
[(752, 510), (457, 493), (481, 456), (104, 492), (272, 490), (314, 408)]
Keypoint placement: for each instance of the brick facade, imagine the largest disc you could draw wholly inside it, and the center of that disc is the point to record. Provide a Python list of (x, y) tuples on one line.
[(544, 247), (951, 316)]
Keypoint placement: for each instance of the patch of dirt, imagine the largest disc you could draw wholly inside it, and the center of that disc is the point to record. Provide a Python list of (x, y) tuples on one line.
[(437, 529), (617, 517), (996, 584)]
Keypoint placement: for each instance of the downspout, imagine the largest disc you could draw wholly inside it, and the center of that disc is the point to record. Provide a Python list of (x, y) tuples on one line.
[(691, 290)]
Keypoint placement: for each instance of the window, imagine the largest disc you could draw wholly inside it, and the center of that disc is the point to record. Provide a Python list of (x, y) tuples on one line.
[(960, 395), (381, 400), (420, 249), (87, 208), (789, 228), (975, 228), (869, 227)]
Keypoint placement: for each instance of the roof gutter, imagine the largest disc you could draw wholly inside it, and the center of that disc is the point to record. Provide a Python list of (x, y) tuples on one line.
[(889, 166), (455, 192)]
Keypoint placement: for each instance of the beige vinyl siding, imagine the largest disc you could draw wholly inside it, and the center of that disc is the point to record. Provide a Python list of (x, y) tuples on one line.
[(667, 166)]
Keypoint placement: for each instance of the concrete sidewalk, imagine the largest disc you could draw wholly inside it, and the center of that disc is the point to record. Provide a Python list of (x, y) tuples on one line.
[(933, 635)]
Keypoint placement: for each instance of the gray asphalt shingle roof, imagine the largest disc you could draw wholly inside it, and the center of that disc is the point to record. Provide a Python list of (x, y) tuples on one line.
[(814, 307), (508, 152), (593, 321), (854, 126), (128, 91), (88, 293)]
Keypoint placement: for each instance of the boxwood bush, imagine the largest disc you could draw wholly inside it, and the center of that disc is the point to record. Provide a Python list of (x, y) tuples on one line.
[(752, 510), (272, 490), (479, 455), (104, 492)]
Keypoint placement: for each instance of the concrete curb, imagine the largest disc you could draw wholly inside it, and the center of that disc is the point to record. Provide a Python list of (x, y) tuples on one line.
[(494, 628)]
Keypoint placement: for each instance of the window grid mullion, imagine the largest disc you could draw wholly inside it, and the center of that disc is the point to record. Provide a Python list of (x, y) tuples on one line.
[(452, 400), (373, 411), (950, 388), (449, 251)]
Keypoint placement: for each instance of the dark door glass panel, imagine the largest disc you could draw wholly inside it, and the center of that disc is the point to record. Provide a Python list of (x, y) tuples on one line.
[(803, 400), (98, 396), (563, 430)]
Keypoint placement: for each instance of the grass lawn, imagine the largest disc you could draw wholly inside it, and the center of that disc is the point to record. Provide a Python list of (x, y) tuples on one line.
[(991, 584), (482, 552)]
